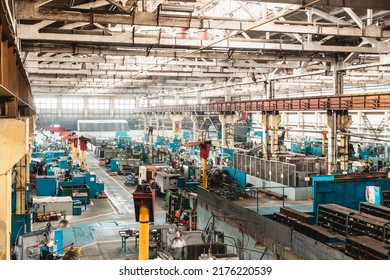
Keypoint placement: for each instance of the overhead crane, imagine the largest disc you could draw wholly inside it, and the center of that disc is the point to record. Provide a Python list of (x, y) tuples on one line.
[(372, 101), (336, 106)]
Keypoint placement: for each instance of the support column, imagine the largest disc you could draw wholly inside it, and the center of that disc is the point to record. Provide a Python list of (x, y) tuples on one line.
[(264, 17), (338, 77), (309, 13), (265, 122), (228, 93), (21, 184), (198, 97), (111, 107), (275, 121), (345, 122), (85, 107), (176, 118), (270, 121), (318, 120), (5, 215), (269, 88), (226, 119), (145, 122), (14, 141), (338, 121), (332, 142), (195, 130), (157, 119), (301, 121), (369, 16)]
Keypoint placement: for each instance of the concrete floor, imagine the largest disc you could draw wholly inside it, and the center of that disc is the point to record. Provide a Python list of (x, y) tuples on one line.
[(96, 231)]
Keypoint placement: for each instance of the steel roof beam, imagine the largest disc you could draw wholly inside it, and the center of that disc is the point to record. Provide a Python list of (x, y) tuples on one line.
[(365, 4)]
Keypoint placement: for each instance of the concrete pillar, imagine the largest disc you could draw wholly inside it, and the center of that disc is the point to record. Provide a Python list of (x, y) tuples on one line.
[(5, 215), (157, 119), (345, 122), (318, 120), (222, 119), (265, 17), (21, 185), (265, 122), (228, 93), (338, 77), (195, 131), (198, 97), (226, 119), (269, 85), (176, 118), (338, 121), (111, 107), (309, 13), (301, 121), (270, 121), (275, 121), (369, 16), (14, 141), (331, 123), (85, 107)]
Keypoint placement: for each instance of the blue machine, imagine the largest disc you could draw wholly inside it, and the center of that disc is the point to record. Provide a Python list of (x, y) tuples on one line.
[(190, 185), (348, 192), (160, 141), (94, 185), (237, 176), (114, 165), (228, 154), (188, 135), (21, 224), (46, 185), (316, 150), (175, 145), (296, 148), (78, 180)]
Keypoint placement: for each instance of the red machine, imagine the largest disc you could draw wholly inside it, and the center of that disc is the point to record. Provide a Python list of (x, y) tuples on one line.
[(205, 147), (83, 147)]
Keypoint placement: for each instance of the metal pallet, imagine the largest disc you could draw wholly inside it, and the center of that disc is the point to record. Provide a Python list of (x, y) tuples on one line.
[(375, 210), (346, 221), (366, 248)]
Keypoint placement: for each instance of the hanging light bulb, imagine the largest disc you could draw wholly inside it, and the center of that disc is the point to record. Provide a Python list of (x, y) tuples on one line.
[(178, 241)]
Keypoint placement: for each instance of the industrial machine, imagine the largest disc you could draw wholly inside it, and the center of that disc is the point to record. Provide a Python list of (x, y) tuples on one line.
[(166, 181), (204, 147), (83, 148), (220, 182)]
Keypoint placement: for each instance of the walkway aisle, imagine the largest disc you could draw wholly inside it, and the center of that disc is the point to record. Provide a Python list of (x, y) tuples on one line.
[(121, 200)]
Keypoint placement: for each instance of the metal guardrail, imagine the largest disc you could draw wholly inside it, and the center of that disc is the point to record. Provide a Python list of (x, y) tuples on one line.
[(268, 170)]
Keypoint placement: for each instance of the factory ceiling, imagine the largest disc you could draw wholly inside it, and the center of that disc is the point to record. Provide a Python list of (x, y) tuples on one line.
[(194, 48)]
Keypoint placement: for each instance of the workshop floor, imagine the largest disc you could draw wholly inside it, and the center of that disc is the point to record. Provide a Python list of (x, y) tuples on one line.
[(95, 233)]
